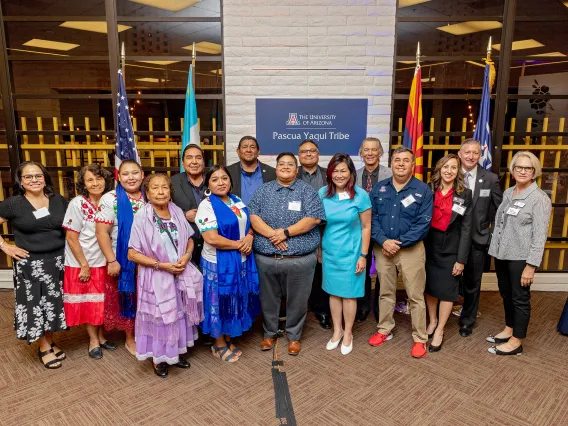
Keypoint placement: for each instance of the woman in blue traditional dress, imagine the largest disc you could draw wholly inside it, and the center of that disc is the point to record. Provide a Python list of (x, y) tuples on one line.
[(344, 246), (230, 279)]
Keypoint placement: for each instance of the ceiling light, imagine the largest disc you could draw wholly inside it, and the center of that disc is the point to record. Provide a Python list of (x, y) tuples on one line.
[(205, 47), (160, 62), (34, 51), (470, 27), (171, 5), (522, 44), (94, 26), (218, 72), (151, 80), (406, 3), (550, 54), (48, 44)]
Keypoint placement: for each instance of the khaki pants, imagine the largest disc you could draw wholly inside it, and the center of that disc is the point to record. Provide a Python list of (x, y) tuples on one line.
[(410, 263)]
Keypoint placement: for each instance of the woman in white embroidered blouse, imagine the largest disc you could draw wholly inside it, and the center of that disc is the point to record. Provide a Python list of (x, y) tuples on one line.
[(85, 264)]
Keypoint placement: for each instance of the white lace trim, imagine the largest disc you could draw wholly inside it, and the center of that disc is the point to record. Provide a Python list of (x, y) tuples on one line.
[(81, 298), (168, 360)]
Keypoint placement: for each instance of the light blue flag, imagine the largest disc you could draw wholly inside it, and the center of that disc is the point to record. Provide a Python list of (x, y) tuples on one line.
[(482, 131), (190, 133)]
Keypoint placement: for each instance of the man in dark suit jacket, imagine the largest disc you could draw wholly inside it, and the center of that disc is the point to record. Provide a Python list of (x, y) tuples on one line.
[(189, 189), (249, 174), (487, 197), (316, 176)]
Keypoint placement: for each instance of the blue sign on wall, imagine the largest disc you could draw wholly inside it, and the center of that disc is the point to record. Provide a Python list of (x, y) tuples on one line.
[(337, 125)]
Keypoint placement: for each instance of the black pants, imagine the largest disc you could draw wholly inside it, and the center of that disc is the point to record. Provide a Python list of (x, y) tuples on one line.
[(516, 298), (364, 303), (319, 299), (472, 276)]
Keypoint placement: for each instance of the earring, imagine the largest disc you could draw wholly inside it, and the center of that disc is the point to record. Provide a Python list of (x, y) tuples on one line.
[(207, 192)]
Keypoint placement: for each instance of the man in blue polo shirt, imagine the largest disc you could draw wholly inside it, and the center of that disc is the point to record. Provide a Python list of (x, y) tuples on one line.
[(402, 211), (284, 215)]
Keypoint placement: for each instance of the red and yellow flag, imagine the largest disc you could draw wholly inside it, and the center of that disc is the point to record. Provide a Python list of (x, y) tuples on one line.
[(413, 134)]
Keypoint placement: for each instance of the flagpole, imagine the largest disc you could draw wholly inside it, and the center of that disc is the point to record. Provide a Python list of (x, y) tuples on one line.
[(193, 56), (489, 49), (418, 55), (123, 60)]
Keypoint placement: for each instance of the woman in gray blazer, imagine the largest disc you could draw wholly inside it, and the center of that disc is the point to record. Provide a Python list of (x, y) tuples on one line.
[(521, 229)]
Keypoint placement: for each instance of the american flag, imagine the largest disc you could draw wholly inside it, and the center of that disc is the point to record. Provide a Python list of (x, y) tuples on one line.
[(125, 144)]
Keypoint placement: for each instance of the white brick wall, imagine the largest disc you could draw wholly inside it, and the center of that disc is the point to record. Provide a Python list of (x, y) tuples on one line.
[(307, 34)]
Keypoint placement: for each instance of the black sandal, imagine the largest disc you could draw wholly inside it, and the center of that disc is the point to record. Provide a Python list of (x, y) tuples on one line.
[(50, 365), (60, 355)]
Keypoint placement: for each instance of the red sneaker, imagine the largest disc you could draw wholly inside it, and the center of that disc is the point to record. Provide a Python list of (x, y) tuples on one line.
[(378, 339), (418, 350)]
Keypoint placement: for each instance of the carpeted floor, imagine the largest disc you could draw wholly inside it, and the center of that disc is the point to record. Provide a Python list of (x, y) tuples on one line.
[(461, 385)]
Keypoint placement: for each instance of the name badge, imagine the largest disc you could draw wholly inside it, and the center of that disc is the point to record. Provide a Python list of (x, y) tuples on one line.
[(484, 192), (240, 205), (408, 201), (295, 206), (43, 212), (343, 196), (519, 204), (513, 211), (459, 200), (459, 209)]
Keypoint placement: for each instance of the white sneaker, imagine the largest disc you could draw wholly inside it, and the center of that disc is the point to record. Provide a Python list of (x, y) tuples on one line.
[(346, 350), (331, 345)]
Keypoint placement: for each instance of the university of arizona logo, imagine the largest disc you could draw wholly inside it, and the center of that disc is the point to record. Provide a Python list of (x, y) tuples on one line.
[(292, 119)]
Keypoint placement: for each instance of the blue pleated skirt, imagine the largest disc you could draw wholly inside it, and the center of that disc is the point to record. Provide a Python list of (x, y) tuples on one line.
[(230, 314)]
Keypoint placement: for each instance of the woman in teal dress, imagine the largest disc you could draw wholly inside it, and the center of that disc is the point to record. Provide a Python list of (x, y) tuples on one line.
[(344, 246)]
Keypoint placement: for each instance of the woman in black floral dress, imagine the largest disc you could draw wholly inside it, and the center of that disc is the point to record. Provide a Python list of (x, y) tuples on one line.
[(36, 214)]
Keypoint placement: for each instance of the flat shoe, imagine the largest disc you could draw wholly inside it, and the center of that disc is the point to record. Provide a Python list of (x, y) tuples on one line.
[(96, 353), (161, 370), (497, 340), (346, 350), (517, 351), (331, 345), (109, 346), (183, 363), (131, 352)]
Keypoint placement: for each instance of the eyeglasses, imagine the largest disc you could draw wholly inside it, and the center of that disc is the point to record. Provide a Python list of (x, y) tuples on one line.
[(520, 169), (32, 177), (308, 151), (282, 164)]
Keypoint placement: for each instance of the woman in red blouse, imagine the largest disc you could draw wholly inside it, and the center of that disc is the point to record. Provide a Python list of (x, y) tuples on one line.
[(447, 244)]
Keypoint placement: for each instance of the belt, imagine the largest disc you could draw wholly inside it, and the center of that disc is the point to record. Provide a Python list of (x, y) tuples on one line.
[(282, 256)]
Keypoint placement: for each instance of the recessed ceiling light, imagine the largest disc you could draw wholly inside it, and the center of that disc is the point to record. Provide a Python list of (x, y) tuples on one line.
[(160, 62), (205, 47), (151, 80), (48, 44), (94, 26), (34, 51), (522, 44), (218, 72), (550, 54), (406, 3), (171, 5), (469, 27)]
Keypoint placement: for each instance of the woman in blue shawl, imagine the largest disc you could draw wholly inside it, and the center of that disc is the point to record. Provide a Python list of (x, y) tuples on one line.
[(230, 278)]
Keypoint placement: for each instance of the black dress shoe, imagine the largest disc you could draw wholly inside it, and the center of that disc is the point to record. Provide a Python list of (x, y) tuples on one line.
[(183, 363), (109, 346), (325, 321), (433, 348), (161, 369), (96, 353), (517, 351), (361, 316), (466, 330)]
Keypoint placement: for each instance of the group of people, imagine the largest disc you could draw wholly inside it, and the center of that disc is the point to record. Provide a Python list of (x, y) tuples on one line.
[(161, 258)]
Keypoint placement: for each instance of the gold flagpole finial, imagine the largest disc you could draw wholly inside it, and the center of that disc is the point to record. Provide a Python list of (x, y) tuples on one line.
[(123, 60), (418, 55), (489, 49)]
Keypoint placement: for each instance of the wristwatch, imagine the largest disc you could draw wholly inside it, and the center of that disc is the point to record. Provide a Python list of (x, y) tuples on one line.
[(287, 233), (364, 256)]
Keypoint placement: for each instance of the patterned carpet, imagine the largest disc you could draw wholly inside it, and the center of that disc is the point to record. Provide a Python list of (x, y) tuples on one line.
[(461, 385)]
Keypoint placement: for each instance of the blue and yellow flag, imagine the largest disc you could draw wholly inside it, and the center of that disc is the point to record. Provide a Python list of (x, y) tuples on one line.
[(190, 133), (413, 134)]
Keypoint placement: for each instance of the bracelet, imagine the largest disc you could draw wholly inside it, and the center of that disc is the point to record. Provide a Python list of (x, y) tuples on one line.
[(157, 266), (364, 256), (111, 262), (2, 243)]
